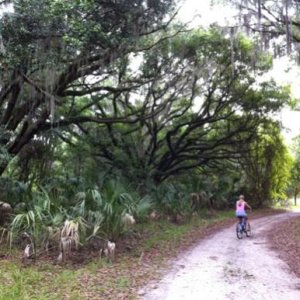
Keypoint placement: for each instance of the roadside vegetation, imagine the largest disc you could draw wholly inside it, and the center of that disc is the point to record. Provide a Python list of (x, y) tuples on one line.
[(143, 255)]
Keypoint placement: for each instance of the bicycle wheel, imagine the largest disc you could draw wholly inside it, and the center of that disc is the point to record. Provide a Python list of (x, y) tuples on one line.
[(248, 230), (239, 231)]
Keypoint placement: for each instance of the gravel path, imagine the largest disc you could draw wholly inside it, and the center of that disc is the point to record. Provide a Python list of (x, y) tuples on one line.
[(223, 267)]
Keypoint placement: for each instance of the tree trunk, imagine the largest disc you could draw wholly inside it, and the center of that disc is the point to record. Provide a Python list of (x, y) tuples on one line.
[(3, 166)]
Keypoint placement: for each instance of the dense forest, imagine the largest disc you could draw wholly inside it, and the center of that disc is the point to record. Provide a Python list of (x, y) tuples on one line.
[(113, 112)]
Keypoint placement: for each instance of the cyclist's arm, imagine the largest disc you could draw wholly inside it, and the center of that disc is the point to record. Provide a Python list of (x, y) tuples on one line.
[(248, 206)]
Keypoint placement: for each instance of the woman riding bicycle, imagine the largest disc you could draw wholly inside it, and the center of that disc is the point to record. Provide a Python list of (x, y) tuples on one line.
[(241, 207)]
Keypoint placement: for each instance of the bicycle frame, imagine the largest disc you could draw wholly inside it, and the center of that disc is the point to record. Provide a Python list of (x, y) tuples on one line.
[(243, 226), (243, 222)]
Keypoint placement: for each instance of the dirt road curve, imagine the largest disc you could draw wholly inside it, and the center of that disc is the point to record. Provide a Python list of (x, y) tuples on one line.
[(223, 267)]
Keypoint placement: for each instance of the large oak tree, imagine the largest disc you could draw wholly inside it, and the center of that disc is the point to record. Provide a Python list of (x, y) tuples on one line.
[(213, 107), (54, 52)]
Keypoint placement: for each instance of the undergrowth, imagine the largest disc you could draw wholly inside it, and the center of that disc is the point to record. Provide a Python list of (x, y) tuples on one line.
[(99, 278)]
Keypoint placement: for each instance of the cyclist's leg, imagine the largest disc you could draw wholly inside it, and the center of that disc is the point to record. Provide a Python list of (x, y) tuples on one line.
[(239, 230), (243, 223), (240, 222), (240, 225), (246, 219)]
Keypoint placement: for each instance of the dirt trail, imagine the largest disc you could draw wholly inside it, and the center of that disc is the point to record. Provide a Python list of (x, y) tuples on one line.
[(223, 267)]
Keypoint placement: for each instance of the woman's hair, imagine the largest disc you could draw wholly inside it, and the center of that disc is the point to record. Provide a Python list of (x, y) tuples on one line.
[(241, 197)]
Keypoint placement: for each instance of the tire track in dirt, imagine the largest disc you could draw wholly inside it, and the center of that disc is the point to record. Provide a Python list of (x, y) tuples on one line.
[(222, 267)]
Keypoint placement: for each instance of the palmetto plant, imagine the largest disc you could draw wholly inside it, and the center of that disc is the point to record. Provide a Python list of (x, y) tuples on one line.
[(88, 208), (143, 207), (38, 217), (104, 210), (172, 199), (69, 237), (11, 191), (107, 208), (54, 220)]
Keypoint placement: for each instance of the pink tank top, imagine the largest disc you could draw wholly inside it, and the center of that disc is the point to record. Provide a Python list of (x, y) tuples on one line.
[(240, 207)]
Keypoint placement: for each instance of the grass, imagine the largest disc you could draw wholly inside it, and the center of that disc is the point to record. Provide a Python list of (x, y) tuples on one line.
[(164, 232), (100, 279), (19, 282)]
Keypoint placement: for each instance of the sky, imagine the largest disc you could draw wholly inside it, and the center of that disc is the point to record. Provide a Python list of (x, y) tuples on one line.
[(200, 12)]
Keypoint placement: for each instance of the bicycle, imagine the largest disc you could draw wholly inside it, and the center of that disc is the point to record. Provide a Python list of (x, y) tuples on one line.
[(243, 227)]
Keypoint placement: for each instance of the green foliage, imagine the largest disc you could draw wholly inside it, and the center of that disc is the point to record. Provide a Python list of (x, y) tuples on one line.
[(173, 200), (5, 135), (12, 191), (143, 208), (95, 212), (216, 187), (210, 105), (47, 48), (267, 167), (94, 95), (38, 217), (294, 184)]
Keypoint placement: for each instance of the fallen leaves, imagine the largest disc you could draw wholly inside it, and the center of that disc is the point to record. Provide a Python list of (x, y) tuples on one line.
[(285, 239)]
